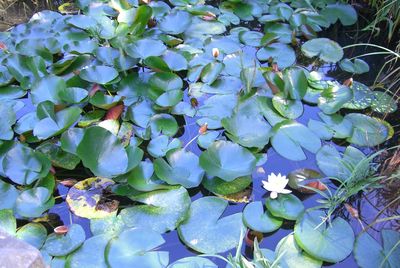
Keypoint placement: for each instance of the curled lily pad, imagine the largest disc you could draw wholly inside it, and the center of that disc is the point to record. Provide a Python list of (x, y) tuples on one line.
[(204, 230), (326, 49), (227, 160), (135, 248), (62, 245), (330, 242), (88, 198), (286, 206), (260, 220), (162, 210)]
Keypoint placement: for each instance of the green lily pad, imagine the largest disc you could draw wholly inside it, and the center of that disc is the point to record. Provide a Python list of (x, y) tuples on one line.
[(248, 131), (8, 195), (368, 253), (227, 160), (87, 199), (90, 254), (333, 98), (257, 219), (182, 167), (23, 165), (175, 22), (160, 145), (222, 188), (162, 210), (290, 137), (291, 109), (110, 226), (204, 230), (33, 233), (99, 74), (135, 248), (358, 66), (368, 131), (48, 89), (340, 11), (102, 152), (291, 255), (331, 163), (56, 123), (327, 242), (362, 97), (383, 103), (326, 49), (280, 53), (163, 124), (211, 72), (62, 244), (193, 262), (301, 177), (286, 206), (8, 221), (144, 48), (33, 202), (58, 157)]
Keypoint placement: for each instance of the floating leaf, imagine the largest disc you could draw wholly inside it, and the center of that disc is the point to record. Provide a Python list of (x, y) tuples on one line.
[(134, 248), (280, 53), (162, 210), (368, 253), (326, 49), (88, 198), (182, 168), (357, 67), (99, 74), (204, 230), (90, 254), (333, 98), (33, 233), (175, 22), (260, 220), (290, 137), (62, 245), (286, 206), (193, 262), (223, 188), (330, 242), (368, 131), (227, 160), (33, 202), (383, 103)]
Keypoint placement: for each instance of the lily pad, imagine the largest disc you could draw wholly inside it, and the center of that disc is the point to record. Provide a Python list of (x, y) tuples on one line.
[(280, 53), (333, 98), (175, 22), (182, 168), (368, 131), (193, 262), (383, 103), (204, 230), (358, 66), (135, 248), (369, 253), (162, 210), (291, 109), (328, 242), (33, 202), (290, 137), (223, 188), (326, 49), (90, 254), (87, 198), (260, 220), (227, 160), (33, 233), (99, 74), (286, 206), (63, 244)]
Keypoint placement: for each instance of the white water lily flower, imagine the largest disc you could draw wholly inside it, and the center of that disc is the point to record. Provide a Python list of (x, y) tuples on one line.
[(276, 185)]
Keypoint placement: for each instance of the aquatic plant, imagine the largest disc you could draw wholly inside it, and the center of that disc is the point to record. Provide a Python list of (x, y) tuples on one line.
[(103, 103)]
